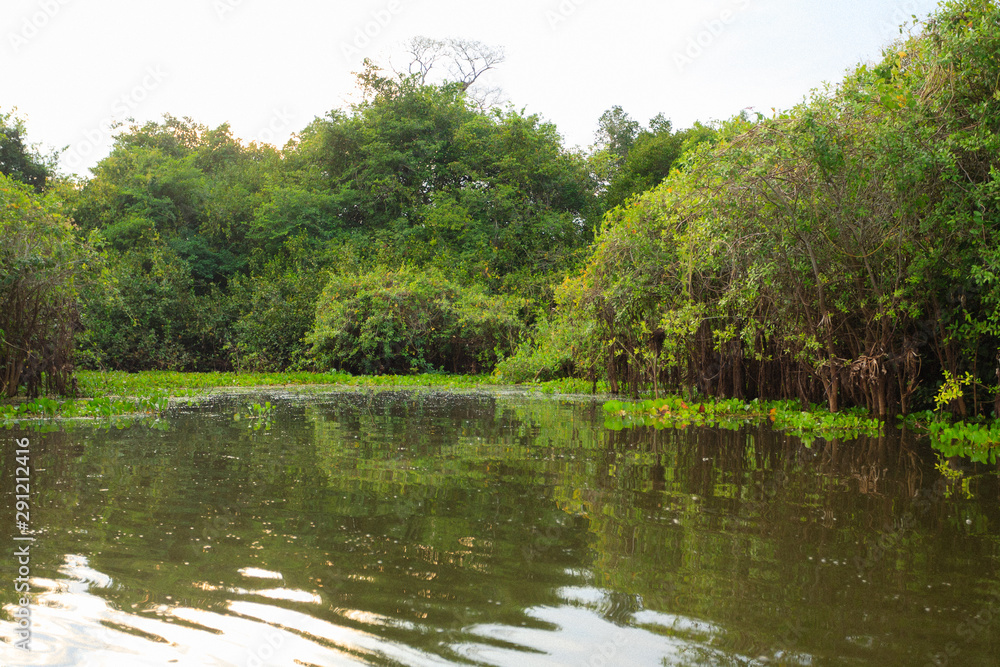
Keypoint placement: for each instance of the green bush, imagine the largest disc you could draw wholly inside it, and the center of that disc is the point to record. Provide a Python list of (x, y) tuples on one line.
[(410, 320), (547, 355), (147, 314), (278, 310)]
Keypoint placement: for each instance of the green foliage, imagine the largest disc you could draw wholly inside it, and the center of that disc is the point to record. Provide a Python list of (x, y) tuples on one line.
[(674, 412), (102, 408), (570, 385), (617, 132), (119, 398), (174, 204), (434, 180), (978, 442), (411, 320), (118, 383), (19, 160), (277, 307), (164, 383), (633, 160), (951, 389), (147, 314), (217, 251), (41, 260), (550, 352), (843, 251)]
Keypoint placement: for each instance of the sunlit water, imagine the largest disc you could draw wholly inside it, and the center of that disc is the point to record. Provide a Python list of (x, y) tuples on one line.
[(419, 528)]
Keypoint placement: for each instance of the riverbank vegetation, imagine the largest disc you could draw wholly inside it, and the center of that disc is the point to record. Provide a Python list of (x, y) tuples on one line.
[(843, 252)]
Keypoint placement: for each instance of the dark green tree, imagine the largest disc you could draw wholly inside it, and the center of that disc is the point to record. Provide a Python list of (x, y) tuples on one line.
[(629, 159), (175, 205), (20, 160), (41, 264), (416, 173)]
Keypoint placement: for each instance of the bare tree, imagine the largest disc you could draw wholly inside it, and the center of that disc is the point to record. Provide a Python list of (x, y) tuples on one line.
[(424, 53), (471, 59), (464, 62)]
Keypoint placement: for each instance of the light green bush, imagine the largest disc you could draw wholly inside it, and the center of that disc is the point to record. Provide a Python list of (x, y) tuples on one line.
[(408, 320)]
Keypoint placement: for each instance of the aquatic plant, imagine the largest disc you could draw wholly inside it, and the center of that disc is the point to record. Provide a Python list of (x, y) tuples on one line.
[(784, 415), (257, 416)]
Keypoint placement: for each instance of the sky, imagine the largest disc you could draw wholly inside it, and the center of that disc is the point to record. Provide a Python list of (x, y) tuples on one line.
[(74, 68)]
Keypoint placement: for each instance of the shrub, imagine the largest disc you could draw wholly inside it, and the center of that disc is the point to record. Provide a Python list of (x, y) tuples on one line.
[(547, 355), (410, 320), (278, 310), (147, 314)]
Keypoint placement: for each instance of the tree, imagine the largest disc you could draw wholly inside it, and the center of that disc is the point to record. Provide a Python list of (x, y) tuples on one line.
[(176, 205), (40, 264), (629, 159), (464, 60), (417, 174), (19, 160), (844, 251), (464, 63), (616, 132)]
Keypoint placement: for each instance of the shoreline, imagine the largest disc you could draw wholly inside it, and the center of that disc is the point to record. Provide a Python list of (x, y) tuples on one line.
[(117, 395)]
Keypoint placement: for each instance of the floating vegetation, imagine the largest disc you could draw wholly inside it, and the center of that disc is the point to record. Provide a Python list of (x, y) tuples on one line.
[(42, 413), (977, 441), (674, 412), (116, 394)]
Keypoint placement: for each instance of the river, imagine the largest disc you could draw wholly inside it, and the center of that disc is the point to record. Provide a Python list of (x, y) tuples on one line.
[(492, 528)]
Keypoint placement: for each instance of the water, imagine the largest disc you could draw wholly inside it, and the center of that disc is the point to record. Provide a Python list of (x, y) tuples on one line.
[(419, 528)]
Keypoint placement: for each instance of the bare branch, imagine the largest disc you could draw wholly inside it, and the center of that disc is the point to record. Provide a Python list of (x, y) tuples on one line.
[(485, 98), (463, 61), (424, 52), (470, 59)]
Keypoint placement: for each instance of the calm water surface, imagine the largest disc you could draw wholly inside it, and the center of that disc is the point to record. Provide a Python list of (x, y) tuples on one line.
[(419, 528)]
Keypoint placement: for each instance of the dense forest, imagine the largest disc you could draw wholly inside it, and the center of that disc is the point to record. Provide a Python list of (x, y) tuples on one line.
[(845, 251)]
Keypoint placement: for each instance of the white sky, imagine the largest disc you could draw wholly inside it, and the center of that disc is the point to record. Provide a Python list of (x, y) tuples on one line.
[(268, 67)]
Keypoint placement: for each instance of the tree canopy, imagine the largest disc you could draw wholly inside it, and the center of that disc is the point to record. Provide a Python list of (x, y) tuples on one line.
[(20, 160), (414, 174), (843, 251)]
